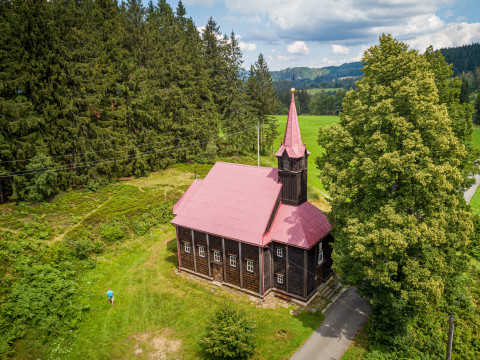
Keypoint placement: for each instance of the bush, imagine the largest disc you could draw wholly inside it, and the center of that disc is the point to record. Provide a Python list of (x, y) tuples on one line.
[(112, 233), (229, 334)]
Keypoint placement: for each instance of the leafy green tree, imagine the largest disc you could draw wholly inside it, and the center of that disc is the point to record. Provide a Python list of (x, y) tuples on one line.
[(263, 102), (230, 335), (393, 169)]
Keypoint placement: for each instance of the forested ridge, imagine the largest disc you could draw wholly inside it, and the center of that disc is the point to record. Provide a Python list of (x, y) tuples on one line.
[(95, 90)]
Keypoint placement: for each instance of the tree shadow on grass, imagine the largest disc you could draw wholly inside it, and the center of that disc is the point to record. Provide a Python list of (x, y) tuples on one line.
[(172, 252)]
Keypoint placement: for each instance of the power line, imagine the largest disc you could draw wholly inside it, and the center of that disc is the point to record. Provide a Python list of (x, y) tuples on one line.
[(96, 162), (113, 149)]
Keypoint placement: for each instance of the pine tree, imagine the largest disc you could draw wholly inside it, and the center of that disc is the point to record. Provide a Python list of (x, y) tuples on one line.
[(476, 117), (393, 169), (263, 102)]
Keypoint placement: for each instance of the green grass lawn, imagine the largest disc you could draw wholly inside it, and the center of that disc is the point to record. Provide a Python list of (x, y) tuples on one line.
[(476, 136), (309, 126), (158, 312)]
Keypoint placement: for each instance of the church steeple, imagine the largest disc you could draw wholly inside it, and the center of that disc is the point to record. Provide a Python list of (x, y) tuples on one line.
[(292, 161), (292, 141)]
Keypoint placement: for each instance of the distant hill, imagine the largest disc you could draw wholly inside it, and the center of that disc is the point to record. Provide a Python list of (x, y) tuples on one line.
[(318, 75), (463, 58)]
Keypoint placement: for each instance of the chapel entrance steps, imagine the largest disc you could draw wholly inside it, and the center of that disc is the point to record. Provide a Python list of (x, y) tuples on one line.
[(327, 293)]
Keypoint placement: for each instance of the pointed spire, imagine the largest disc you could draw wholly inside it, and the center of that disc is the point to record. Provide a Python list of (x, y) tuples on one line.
[(292, 142)]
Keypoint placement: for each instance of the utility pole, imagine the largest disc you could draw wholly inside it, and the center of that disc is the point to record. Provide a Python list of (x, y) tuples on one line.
[(258, 141), (450, 337)]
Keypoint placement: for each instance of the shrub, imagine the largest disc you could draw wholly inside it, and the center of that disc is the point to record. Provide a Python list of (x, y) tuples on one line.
[(229, 334), (111, 232)]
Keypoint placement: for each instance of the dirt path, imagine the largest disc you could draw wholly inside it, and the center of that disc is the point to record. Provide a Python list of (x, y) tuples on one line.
[(7, 229), (61, 236)]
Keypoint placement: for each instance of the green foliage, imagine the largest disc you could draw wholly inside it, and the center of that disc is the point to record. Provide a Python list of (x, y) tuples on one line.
[(43, 299), (230, 334), (208, 156), (395, 167), (476, 117), (262, 102), (40, 183), (112, 232)]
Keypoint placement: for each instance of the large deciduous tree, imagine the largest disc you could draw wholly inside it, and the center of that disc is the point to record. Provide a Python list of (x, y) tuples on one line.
[(394, 169)]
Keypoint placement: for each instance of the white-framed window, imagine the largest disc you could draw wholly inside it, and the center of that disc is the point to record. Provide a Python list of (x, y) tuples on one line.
[(201, 251), (250, 265), (216, 255), (280, 252), (233, 261), (320, 257), (187, 247), (279, 279)]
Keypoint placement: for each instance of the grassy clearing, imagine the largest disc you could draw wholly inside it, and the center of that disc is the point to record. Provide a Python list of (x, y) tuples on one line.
[(476, 136), (309, 126), (132, 249), (358, 348), (316, 91)]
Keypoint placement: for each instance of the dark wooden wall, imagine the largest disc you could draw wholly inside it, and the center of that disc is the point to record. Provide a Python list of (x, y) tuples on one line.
[(267, 258), (251, 280), (295, 271), (185, 236), (292, 270), (202, 262), (233, 273), (311, 268), (279, 266)]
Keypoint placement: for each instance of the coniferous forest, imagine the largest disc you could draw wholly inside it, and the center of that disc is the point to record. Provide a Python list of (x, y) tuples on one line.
[(95, 90)]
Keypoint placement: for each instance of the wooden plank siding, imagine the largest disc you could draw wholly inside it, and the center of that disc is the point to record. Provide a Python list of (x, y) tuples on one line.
[(295, 271), (232, 272), (312, 268), (267, 258), (250, 279), (298, 266), (185, 236), (202, 262), (279, 266)]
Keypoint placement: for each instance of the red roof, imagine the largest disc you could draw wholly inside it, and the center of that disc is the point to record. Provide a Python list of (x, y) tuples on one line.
[(301, 226), (192, 189), (233, 201), (292, 141)]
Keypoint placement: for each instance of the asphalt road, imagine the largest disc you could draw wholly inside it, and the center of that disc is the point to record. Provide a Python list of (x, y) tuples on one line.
[(469, 193), (333, 337)]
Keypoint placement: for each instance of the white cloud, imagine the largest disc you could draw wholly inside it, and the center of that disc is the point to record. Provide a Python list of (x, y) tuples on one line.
[(339, 49), (298, 48), (336, 20), (199, 2), (454, 34), (244, 46)]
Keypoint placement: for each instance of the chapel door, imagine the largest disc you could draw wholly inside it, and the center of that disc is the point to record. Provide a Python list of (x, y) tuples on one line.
[(217, 272)]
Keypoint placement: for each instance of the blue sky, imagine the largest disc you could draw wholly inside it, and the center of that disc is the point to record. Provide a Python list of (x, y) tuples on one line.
[(319, 33)]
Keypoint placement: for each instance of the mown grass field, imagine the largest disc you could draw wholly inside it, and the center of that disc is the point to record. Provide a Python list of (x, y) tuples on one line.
[(316, 91), (309, 125), (158, 312)]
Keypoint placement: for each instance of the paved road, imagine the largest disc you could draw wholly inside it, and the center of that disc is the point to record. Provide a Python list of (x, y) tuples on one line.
[(469, 193), (342, 321)]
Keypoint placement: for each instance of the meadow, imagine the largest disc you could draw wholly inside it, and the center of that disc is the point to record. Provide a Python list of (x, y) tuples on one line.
[(316, 91), (309, 126), (119, 237)]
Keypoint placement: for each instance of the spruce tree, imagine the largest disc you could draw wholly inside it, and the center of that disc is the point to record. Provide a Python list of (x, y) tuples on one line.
[(263, 102), (393, 167)]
